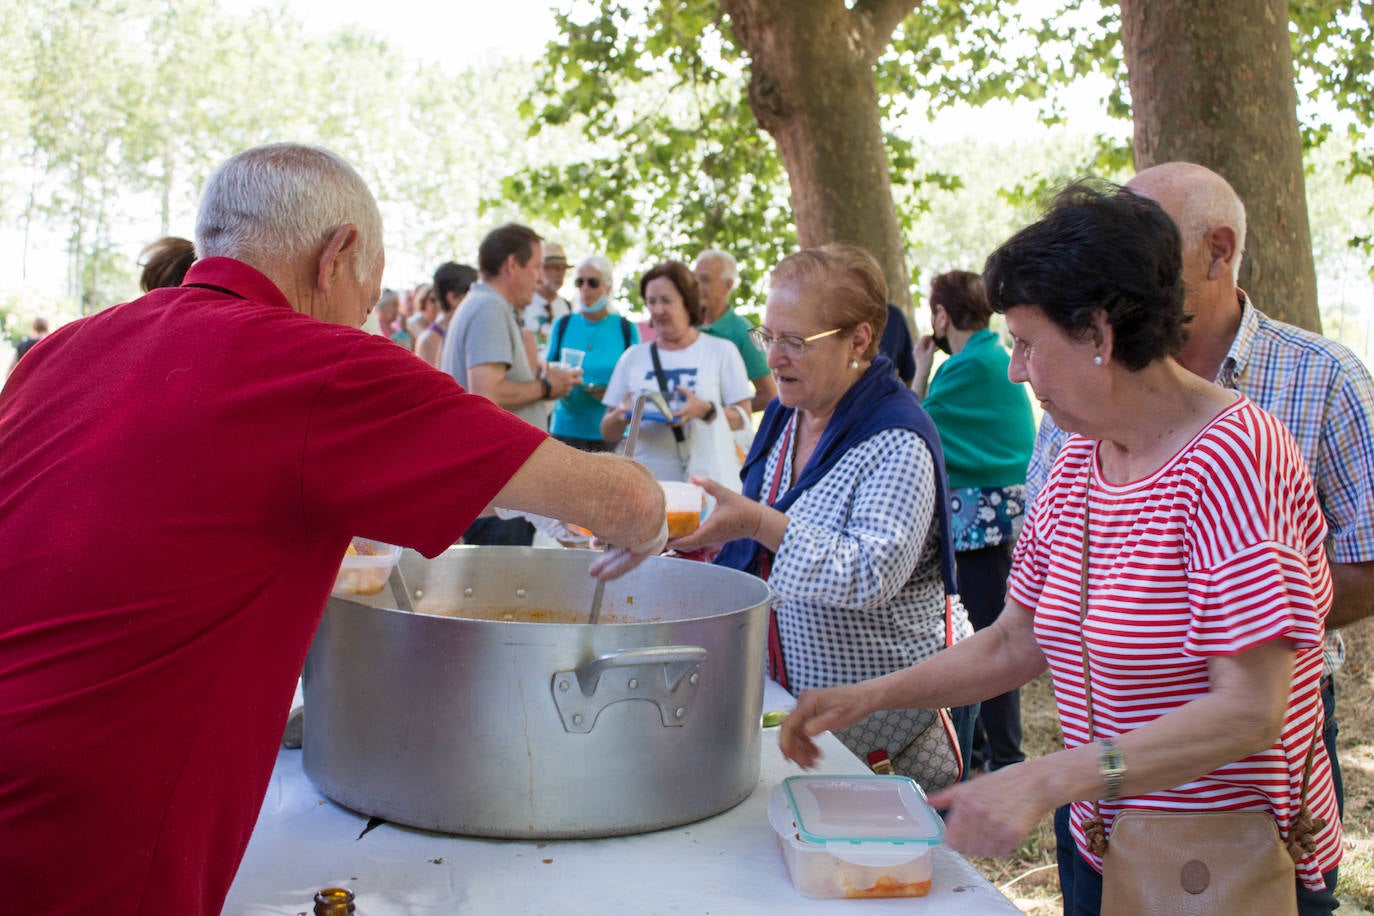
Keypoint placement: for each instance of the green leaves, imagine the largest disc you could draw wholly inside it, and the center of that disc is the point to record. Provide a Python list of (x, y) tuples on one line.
[(658, 92)]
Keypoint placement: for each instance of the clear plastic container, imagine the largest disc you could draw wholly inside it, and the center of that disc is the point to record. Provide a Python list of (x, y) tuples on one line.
[(365, 567), (685, 502), (855, 836)]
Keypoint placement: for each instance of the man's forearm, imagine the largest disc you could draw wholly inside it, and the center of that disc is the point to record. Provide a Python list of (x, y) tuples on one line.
[(510, 395), (1353, 599)]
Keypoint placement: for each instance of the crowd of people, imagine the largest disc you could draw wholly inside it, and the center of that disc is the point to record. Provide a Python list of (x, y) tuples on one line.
[(1177, 545)]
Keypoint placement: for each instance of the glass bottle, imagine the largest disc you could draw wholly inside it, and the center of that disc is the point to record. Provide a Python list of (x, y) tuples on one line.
[(334, 901)]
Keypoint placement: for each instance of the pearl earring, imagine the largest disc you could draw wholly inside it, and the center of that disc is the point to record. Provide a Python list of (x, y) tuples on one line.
[(853, 364), (1097, 360)]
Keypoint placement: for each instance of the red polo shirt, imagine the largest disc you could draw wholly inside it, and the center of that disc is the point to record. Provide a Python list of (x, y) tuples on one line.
[(179, 479)]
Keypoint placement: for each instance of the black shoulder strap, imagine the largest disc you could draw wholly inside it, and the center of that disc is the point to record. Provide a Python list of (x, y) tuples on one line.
[(560, 327), (625, 330), (678, 434)]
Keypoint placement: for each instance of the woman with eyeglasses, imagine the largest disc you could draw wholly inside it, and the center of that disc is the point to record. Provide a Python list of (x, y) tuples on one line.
[(585, 334), (702, 379), (844, 495)]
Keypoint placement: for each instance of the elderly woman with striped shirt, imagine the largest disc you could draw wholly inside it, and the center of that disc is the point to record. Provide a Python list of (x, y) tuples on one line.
[(843, 508), (1177, 546)]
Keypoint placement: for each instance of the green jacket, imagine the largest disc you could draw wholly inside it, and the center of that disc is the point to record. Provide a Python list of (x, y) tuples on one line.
[(985, 421)]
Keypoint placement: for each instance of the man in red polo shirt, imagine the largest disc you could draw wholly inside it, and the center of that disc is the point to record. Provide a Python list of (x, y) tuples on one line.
[(169, 534)]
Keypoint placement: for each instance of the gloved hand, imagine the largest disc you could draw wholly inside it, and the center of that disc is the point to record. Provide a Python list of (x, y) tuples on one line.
[(615, 562)]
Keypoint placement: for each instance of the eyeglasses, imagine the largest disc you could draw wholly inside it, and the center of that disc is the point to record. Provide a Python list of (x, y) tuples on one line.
[(792, 347), (593, 282)]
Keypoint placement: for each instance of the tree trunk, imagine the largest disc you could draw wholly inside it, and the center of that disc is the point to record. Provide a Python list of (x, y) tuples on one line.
[(1212, 83), (811, 87)]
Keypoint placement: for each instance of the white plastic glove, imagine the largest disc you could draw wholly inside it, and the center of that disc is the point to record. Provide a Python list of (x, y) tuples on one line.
[(615, 562)]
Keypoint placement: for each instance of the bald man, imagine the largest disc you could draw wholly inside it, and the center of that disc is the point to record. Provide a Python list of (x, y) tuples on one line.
[(1314, 386)]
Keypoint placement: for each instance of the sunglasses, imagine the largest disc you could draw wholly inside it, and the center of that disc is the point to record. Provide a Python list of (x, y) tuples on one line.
[(593, 282)]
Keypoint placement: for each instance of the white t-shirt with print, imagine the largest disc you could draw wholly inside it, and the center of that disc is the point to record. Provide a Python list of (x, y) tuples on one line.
[(711, 368)]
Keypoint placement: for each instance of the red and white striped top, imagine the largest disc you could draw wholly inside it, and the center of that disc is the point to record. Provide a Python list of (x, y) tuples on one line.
[(1217, 552)]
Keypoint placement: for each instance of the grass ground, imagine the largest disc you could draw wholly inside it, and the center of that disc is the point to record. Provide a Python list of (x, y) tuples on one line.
[(1029, 877)]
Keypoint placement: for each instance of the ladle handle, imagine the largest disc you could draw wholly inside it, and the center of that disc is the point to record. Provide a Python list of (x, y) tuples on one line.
[(636, 418), (397, 580)]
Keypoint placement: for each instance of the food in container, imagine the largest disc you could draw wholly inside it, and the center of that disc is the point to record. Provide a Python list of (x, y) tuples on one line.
[(855, 836), (365, 567), (684, 502)]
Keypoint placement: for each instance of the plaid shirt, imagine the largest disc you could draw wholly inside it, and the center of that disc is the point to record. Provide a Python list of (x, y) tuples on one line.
[(1324, 395)]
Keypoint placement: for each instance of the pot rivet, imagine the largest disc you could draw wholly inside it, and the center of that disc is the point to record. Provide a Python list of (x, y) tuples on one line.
[(563, 686), (634, 683), (419, 593), (467, 593), (679, 712), (577, 719), (694, 678), (519, 593)]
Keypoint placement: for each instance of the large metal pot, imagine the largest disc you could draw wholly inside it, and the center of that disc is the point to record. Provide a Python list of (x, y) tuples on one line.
[(558, 730)]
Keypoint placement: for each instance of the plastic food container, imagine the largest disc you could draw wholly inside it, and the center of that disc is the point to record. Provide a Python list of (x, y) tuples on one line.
[(365, 567), (685, 502), (855, 836)]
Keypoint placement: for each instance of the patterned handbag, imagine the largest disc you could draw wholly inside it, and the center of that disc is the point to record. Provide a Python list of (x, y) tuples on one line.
[(921, 743)]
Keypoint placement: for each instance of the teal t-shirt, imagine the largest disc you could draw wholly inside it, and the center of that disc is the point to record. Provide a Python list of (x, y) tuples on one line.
[(579, 414), (735, 328), (985, 421)]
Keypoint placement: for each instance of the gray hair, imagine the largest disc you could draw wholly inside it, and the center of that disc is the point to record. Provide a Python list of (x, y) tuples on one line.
[(602, 265), (269, 205), (731, 270)]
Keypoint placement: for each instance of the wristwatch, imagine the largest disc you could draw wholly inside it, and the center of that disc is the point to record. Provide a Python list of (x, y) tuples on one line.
[(711, 413), (548, 389), (1112, 766)]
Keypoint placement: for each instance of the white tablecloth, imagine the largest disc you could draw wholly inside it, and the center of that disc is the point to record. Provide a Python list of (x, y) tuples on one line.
[(727, 864)]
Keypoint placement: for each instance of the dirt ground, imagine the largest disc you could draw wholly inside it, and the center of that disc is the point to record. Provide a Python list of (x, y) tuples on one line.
[(1029, 878)]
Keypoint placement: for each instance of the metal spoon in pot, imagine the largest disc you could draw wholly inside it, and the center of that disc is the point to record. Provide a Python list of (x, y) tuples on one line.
[(636, 417)]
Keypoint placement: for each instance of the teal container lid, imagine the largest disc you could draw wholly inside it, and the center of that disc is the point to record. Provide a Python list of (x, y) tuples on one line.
[(890, 810)]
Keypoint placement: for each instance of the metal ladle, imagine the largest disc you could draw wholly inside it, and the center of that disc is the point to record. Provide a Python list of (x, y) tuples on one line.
[(632, 437)]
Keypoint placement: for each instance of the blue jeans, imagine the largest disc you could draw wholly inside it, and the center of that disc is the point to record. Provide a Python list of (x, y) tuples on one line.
[(982, 578), (1330, 729), (1082, 884), (964, 717)]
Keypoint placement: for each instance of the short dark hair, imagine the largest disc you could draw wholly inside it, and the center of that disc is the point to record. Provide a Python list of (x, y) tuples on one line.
[(165, 262), (961, 294), (1099, 246), (681, 276), (504, 241), (451, 277)]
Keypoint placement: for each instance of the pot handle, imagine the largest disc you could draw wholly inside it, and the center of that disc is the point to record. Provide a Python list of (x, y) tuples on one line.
[(666, 676)]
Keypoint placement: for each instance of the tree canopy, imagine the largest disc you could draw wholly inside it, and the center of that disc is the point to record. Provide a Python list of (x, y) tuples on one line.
[(636, 137)]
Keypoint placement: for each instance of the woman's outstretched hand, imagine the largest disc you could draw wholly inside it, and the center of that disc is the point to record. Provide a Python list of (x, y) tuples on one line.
[(734, 516), (820, 711), (992, 814)]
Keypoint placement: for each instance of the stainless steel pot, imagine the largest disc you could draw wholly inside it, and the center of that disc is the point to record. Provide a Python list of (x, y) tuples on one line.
[(557, 730)]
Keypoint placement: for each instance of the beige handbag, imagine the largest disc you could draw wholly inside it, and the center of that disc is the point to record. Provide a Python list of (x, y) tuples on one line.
[(1194, 863)]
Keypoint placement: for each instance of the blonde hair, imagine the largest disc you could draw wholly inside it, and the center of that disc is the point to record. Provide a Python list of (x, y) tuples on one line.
[(845, 284)]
